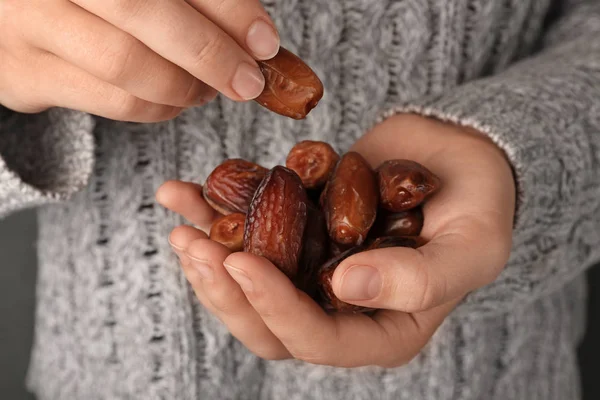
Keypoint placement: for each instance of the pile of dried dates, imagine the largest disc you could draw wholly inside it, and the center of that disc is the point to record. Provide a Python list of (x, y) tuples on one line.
[(310, 215), (319, 209)]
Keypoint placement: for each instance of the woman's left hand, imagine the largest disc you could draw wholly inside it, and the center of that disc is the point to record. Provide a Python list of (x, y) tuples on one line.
[(468, 226)]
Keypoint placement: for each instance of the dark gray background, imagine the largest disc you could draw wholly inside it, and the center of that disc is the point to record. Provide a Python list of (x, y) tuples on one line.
[(17, 285)]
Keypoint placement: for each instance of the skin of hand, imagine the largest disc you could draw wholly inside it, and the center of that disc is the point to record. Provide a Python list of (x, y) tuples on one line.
[(468, 226), (131, 60)]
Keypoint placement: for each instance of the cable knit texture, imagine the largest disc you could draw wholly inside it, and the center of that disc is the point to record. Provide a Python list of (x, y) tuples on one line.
[(116, 318)]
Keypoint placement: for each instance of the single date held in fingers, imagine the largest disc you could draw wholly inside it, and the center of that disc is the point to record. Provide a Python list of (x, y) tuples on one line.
[(292, 89), (283, 220)]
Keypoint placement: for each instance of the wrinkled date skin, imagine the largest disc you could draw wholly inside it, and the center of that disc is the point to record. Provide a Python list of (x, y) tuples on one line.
[(350, 200), (229, 231), (315, 251), (405, 184), (313, 161), (406, 223), (292, 88), (231, 186), (328, 300), (276, 220)]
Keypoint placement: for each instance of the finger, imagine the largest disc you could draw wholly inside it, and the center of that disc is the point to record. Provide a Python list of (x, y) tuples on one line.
[(185, 198), (71, 87), (177, 32), (343, 340), (246, 22), (227, 301), (410, 280), (114, 56), (181, 237)]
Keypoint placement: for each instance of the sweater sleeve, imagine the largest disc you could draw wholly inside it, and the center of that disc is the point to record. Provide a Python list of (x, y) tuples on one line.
[(44, 158), (544, 112)]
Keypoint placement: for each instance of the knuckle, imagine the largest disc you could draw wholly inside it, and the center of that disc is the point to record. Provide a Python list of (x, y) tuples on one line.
[(422, 293), (127, 107), (119, 64), (192, 93), (225, 7), (207, 50), (177, 88), (429, 290), (227, 301), (127, 9)]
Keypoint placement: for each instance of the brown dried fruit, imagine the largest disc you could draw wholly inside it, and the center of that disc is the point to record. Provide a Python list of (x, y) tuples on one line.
[(229, 231), (313, 161), (328, 299), (350, 201), (335, 249), (395, 241), (406, 223), (277, 219), (315, 250), (292, 88), (230, 187), (404, 184)]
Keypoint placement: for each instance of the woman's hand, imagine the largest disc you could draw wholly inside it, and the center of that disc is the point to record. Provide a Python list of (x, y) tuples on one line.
[(133, 60), (468, 224)]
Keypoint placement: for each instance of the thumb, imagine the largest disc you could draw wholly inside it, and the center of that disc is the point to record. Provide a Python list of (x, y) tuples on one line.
[(413, 280)]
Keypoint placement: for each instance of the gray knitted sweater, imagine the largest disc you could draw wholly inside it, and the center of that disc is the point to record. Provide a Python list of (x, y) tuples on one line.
[(115, 316)]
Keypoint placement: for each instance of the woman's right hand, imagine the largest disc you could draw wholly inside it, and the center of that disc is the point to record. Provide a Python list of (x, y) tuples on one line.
[(131, 60)]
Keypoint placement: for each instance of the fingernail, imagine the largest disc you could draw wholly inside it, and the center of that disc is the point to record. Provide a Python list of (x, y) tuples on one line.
[(360, 283), (203, 269), (262, 40), (240, 277), (248, 82)]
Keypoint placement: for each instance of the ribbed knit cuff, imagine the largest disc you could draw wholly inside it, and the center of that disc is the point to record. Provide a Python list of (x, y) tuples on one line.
[(44, 158)]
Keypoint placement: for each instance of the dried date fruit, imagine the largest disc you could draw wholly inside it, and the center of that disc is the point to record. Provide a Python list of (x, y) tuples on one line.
[(276, 220), (335, 249), (328, 299), (404, 184), (315, 250), (230, 187), (394, 241), (313, 161), (229, 231), (292, 88), (405, 223), (350, 200)]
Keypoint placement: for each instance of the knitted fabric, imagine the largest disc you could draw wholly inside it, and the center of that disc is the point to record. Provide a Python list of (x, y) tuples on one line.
[(116, 318)]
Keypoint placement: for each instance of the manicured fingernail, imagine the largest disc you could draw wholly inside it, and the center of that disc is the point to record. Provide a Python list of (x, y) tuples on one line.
[(262, 40), (248, 82), (203, 269), (240, 277), (360, 283)]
